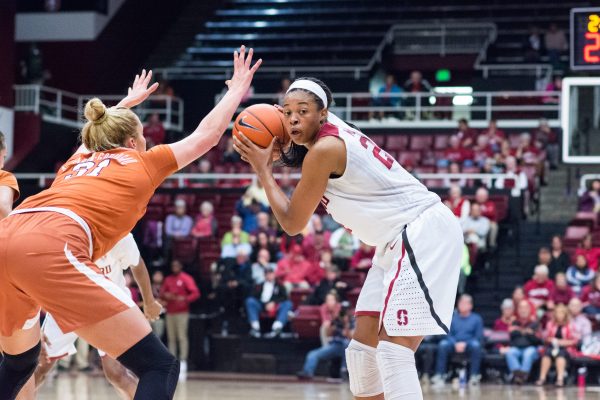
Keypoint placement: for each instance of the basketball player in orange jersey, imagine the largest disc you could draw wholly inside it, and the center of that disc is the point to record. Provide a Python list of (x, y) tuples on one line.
[(48, 243), (410, 290)]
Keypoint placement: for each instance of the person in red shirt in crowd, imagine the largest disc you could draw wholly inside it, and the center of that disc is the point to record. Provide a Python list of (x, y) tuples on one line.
[(591, 254), (466, 134), (315, 244), (154, 131), (482, 150), (518, 294), (506, 318), (488, 210), (178, 291), (526, 150), (590, 297), (456, 152), (206, 223), (548, 140), (539, 288), (460, 206), (330, 310), (292, 270), (562, 292), (494, 135), (362, 259)]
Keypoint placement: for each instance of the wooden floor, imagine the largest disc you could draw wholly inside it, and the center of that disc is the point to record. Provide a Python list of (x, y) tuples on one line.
[(234, 387)]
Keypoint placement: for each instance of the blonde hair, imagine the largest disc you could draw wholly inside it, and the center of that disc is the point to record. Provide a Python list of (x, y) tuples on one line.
[(107, 128)]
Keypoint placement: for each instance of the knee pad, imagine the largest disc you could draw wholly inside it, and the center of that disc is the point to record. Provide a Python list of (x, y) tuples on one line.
[(157, 369), (398, 372), (361, 360), (15, 370)]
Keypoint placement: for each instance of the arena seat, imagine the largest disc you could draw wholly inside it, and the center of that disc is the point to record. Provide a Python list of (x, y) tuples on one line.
[(154, 213), (574, 234), (396, 142), (440, 142), (421, 142), (184, 250), (307, 322), (409, 157), (589, 219), (298, 296)]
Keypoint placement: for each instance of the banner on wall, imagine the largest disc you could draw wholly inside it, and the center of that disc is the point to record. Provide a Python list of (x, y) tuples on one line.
[(7, 124)]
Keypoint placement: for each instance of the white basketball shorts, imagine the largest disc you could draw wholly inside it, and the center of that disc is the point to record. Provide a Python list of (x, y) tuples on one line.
[(59, 344), (412, 284)]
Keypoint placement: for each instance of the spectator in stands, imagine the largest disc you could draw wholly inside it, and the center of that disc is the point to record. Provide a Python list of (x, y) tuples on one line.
[(330, 309), (488, 210), (466, 134), (362, 260), (582, 326), (454, 169), (204, 167), (230, 155), (518, 294), (456, 152), (548, 140), (206, 223), (388, 96), (331, 283), (590, 297), (579, 275), (416, 83), (459, 205), (591, 253), (285, 182), (235, 239), (476, 228), (339, 333), (560, 260), (562, 292), (516, 180), (263, 224), (158, 326), (533, 45), (524, 341), (539, 288), (507, 316), (249, 211), (177, 226), (494, 135), (233, 282), (178, 291), (154, 131), (271, 297), (555, 41), (262, 264), (482, 150), (264, 242), (293, 269), (526, 151), (560, 340), (256, 192), (555, 85), (315, 244), (344, 244), (466, 336), (590, 200), (425, 357), (544, 258)]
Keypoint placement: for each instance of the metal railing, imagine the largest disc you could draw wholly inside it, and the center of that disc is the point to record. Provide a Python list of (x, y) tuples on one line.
[(583, 182), (439, 109), (66, 108), (358, 71), (181, 179)]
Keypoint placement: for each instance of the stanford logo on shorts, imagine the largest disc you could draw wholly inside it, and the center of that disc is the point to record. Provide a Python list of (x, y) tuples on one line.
[(402, 317)]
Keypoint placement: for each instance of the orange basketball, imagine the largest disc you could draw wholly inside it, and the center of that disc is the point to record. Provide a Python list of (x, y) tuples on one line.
[(261, 123)]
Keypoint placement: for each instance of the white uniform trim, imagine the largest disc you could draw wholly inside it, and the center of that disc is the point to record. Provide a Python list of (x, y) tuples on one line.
[(65, 212)]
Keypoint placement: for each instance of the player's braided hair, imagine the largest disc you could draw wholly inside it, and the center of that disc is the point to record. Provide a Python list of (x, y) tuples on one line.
[(294, 156)]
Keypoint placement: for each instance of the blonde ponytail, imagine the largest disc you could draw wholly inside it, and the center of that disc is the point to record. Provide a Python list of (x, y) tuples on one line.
[(107, 128)]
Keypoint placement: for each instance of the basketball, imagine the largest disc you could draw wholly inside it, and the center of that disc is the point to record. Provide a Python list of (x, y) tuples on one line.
[(261, 123)]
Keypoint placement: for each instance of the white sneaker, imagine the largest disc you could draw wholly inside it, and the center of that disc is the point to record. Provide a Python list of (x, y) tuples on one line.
[(183, 366), (474, 380), (438, 382)]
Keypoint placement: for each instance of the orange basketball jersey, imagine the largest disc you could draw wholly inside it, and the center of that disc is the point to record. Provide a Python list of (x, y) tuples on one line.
[(109, 190), (8, 179)]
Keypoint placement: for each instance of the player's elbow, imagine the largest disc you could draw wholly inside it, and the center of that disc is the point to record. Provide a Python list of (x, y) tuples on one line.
[(292, 228)]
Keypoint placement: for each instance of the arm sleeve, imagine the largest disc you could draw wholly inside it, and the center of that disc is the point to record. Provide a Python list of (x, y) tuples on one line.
[(160, 162)]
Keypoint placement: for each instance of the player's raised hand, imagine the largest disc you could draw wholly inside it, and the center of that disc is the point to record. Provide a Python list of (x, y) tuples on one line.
[(243, 70), (139, 90)]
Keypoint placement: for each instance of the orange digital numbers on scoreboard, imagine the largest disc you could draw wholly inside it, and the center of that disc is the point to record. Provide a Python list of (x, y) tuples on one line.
[(585, 39), (592, 47)]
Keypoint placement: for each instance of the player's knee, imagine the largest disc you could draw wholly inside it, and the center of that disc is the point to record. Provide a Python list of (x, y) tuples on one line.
[(15, 370), (365, 380), (398, 371)]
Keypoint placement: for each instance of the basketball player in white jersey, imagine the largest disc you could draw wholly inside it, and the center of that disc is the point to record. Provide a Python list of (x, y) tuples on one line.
[(123, 256), (410, 290)]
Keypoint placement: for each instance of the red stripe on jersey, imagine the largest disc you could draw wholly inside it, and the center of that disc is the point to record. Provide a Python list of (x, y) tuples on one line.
[(328, 130), (366, 313), (389, 293)]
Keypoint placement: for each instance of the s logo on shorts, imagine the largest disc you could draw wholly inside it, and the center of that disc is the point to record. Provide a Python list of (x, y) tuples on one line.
[(402, 317)]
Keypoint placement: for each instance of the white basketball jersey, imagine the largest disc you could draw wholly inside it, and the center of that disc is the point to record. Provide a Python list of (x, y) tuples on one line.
[(375, 197), (125, 254)]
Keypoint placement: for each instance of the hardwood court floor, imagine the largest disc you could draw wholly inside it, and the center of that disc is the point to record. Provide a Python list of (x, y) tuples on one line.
[(232, 387)]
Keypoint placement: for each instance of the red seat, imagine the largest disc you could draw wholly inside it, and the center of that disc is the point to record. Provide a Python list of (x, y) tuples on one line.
[(397, 142), (161, 199), (184, 250), (354, 279), (433, 183), (421, 142), (299, 296), (582, 218), (501, 202), (307, 322), (378, 139), (409, 157), (574, 234), (425, 169)]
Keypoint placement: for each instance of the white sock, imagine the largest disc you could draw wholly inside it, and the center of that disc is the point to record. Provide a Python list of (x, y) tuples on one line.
[(183, 366), (398, 372), (277, 326), (255, 325)]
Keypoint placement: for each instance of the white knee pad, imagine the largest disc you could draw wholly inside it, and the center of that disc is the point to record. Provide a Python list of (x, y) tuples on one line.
[(361, 360), (398, 372)]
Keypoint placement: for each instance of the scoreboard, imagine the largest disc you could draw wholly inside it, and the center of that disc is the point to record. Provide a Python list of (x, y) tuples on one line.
[(585, 39)]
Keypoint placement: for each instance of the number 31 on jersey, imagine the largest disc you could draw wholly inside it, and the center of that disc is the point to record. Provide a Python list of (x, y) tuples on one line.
[(88, 168)]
